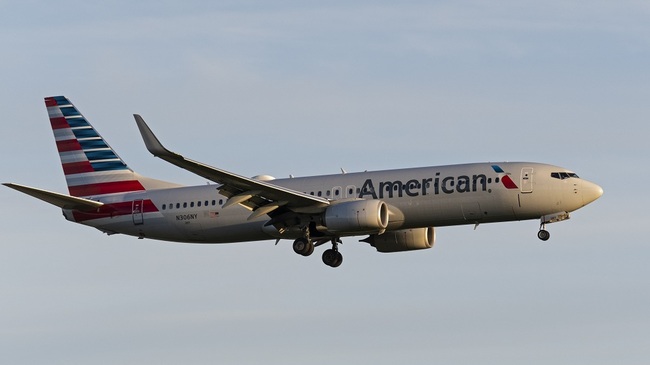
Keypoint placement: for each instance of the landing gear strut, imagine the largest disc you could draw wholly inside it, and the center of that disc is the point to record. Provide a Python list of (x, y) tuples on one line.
[(550, 218), (332, 257)]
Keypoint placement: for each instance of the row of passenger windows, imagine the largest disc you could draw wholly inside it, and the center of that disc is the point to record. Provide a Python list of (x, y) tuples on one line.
[(563, 175), (337, 192), (205, 203)]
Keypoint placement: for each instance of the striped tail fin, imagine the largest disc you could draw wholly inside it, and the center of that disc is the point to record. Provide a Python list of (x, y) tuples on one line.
[(90, 165)]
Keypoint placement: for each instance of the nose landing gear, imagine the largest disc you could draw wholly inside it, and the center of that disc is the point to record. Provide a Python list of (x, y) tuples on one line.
[(543, 234), (550, 218)]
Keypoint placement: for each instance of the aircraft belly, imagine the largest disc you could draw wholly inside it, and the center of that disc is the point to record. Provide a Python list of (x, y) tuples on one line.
[(153, 226), (456, 210), (429, 212), (229, 225), (250, 231)]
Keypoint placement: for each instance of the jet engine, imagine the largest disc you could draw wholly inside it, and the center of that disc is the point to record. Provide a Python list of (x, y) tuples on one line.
[(358, 216), (403, 240)]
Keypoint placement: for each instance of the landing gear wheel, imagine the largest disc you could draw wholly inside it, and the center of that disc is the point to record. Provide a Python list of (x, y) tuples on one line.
[(310, 249), (339, 260), (332, 258), (543, 235), (303, 246)]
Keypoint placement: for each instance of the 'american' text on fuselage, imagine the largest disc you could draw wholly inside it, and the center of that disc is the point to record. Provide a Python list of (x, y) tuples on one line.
[(420, 187)]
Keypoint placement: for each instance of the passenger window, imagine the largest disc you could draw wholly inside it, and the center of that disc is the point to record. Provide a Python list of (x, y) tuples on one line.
[(178, 205), (198, 204), (214, 202), (350, 191), (185, 205), (220, 201), (191, 204), (336, 192), (164, 206)]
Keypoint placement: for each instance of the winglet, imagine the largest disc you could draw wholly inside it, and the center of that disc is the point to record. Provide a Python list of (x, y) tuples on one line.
[(153, 144)]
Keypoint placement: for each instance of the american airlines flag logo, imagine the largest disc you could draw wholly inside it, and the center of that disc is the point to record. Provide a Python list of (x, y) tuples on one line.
[(505, 178)]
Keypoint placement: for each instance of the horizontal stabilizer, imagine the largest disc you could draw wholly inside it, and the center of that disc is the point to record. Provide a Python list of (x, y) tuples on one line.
[(60, 200)]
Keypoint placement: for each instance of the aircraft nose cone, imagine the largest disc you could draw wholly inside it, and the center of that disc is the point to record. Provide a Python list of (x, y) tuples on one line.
[(590, 192)]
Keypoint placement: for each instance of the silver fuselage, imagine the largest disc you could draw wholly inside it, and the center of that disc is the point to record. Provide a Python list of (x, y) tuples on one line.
[(417, 197)]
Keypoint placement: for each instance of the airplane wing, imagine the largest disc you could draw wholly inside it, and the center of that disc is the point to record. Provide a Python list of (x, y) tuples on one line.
[(259, 196), (60, 200)]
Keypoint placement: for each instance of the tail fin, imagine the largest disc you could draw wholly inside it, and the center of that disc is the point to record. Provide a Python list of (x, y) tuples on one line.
[(90, 165)]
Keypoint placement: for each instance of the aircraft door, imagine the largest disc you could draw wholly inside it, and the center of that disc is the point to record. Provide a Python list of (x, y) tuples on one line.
[(138, 212), (527, 180)]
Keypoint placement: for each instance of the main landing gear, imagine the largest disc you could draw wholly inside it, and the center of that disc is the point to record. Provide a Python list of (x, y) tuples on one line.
[(303, 246), (331, 257)]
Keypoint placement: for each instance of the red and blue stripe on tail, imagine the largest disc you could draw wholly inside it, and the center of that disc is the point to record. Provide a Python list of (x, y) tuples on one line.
[(90, 165)]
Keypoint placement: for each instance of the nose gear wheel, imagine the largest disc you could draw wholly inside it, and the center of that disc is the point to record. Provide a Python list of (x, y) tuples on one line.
[(543, 234)]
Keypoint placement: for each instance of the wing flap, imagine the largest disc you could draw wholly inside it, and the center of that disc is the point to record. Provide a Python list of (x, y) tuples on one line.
[(241, 198), (239, 189)]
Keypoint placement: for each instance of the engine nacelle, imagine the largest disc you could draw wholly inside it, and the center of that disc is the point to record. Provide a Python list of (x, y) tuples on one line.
[(403, 240), (358, 216)]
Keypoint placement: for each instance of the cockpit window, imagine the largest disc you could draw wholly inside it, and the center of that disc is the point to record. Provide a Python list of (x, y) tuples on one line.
[(564, 175)]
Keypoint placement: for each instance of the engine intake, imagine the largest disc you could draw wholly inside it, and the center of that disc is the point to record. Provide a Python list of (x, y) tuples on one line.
[(359, 216), (403, 240)]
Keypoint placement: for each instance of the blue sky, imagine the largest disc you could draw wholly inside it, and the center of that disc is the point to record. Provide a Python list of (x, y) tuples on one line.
[(306, 88)]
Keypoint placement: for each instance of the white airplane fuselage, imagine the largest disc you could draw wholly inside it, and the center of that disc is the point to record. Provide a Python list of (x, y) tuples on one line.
[(416, 197)]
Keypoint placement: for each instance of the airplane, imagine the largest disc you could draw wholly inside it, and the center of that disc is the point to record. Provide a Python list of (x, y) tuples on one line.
[(398, 210)]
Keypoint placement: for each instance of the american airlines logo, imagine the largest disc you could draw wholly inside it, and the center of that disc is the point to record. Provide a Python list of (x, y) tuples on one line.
[(505, 178), (436, 185)]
